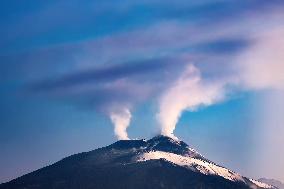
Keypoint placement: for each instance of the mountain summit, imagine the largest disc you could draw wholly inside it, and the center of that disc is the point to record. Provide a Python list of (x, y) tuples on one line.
[(161, 162)]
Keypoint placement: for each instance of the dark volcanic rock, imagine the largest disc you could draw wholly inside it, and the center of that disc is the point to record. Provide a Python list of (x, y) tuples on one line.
[(114, 167)]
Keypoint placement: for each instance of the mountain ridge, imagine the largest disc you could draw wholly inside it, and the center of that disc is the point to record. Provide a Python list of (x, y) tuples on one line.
[(273, 182), (160, 162)]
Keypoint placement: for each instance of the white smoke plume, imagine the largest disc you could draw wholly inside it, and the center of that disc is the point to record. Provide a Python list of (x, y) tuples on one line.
[(188, 93), (121, 120), (262, 65)]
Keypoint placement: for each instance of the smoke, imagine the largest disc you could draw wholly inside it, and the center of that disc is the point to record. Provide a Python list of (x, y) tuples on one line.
[(188, 93), (262, 65), (121, 119), (259, 67)]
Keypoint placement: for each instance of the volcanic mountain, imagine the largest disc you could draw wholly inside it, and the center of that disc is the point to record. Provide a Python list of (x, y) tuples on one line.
[(272, 182), (161, 162)]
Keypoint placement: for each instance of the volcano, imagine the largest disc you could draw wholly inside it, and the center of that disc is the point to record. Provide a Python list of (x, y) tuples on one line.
[(161, 162)]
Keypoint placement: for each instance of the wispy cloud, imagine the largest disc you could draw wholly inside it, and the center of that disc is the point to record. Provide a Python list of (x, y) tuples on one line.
[(261, 66), (126, 66)]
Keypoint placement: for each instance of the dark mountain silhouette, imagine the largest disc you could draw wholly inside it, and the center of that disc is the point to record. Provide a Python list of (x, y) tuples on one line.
[(160, 162)]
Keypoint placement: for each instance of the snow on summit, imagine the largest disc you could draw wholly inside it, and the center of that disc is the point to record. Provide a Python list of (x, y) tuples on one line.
[(179, 153)]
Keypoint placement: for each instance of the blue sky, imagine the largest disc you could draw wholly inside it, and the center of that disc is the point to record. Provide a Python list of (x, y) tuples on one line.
[(208, 71)]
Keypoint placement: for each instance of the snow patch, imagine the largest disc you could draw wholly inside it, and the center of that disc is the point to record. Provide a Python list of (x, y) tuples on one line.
[(261, 184), (201, 166)]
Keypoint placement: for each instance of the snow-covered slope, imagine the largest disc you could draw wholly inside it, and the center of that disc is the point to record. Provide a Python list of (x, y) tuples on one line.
[(201, 166), (189, 158), (273, 182), (261, 184), (160, 162)]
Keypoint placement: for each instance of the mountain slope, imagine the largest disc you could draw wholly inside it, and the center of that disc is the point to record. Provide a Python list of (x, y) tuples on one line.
[(273, 182), (160, 162)]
